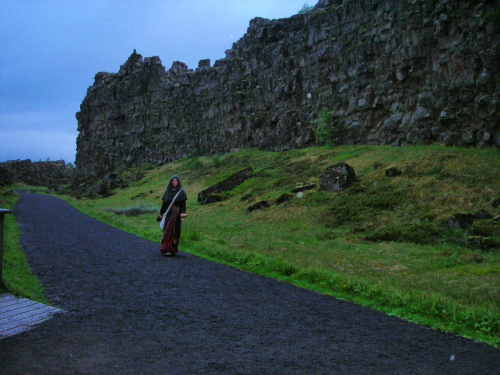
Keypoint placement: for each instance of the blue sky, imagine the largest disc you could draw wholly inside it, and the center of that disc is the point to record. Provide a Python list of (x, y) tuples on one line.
[(51, 50)]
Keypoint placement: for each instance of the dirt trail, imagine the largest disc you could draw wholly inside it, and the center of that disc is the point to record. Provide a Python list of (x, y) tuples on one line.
[(132, 311)]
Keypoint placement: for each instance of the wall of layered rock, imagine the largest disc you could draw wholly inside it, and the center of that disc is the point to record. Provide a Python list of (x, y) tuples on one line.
[(394, 72)]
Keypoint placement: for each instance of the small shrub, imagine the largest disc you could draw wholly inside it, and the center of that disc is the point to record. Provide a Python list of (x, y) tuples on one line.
[(216, 161), (194, 164), (324, 128), (306, 9)]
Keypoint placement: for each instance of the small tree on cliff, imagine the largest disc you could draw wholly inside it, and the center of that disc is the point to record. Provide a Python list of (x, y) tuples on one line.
[(306, 9), (323, 130)]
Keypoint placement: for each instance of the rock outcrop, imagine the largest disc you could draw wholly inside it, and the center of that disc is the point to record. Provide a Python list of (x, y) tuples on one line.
[(213, 193), (337, 177), (40, 173), (392, 72)]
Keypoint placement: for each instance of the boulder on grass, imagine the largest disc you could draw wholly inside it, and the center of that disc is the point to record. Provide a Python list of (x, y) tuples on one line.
[(461, 221), (258, 206), (393, 172), (284, 198), (337, 177)]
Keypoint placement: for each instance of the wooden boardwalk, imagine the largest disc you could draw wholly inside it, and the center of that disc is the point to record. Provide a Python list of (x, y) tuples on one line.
[(20, 314)]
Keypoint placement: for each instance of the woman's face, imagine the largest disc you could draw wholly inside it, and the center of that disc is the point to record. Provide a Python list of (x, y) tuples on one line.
[(175, 182)]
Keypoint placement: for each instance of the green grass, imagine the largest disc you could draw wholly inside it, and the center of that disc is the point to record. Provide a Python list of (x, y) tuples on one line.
[(17, 277), (382, 243)]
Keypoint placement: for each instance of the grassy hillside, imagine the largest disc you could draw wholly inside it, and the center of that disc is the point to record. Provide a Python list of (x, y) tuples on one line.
[(382, 243)]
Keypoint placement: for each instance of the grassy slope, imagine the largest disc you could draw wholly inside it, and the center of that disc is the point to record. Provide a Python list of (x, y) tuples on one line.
[(17, 277), (382, 243)]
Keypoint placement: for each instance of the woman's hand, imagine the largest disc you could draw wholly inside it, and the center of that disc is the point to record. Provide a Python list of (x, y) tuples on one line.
[(159, 217)]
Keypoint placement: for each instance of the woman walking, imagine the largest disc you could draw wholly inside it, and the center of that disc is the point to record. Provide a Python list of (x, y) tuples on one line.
[(174, 209)]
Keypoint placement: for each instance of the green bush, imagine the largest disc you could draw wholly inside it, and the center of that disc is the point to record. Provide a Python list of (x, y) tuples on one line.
[(324, 128), (216, 161), (306, 9)]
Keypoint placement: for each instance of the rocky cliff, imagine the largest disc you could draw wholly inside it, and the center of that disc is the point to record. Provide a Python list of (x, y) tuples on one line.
[(41, 173), (393, 72)]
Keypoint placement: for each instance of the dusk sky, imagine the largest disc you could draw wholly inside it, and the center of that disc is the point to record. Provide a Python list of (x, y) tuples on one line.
[(51, 50)]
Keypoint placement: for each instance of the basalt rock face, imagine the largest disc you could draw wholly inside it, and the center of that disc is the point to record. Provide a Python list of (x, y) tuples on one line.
[(393, 72), (42, 173)]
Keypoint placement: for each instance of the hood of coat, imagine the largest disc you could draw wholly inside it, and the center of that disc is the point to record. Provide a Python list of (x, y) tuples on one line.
[(171, 191)]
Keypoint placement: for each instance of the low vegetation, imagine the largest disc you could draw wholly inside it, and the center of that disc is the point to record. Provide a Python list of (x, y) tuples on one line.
[(383, 243), (306, 8), (17, 277)]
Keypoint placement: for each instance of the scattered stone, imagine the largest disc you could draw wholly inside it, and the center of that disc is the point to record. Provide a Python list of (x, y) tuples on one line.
[(303, 187), (258, 206), (393, 172), (461, 221), (140, 195), (284, 198), (246, 197), (212, 194), (337, 177)]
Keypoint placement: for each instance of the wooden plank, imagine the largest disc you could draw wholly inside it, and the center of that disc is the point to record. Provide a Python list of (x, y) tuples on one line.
[(20, 314), (7, 297), (27, 309), (14, 302), (26, 319), (20, 329), (18, 306)]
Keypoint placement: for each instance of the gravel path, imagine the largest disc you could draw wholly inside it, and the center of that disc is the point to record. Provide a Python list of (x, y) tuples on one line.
[(132, 311)]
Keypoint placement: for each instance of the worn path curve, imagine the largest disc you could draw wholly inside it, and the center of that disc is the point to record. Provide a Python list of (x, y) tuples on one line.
[(132, 311)]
